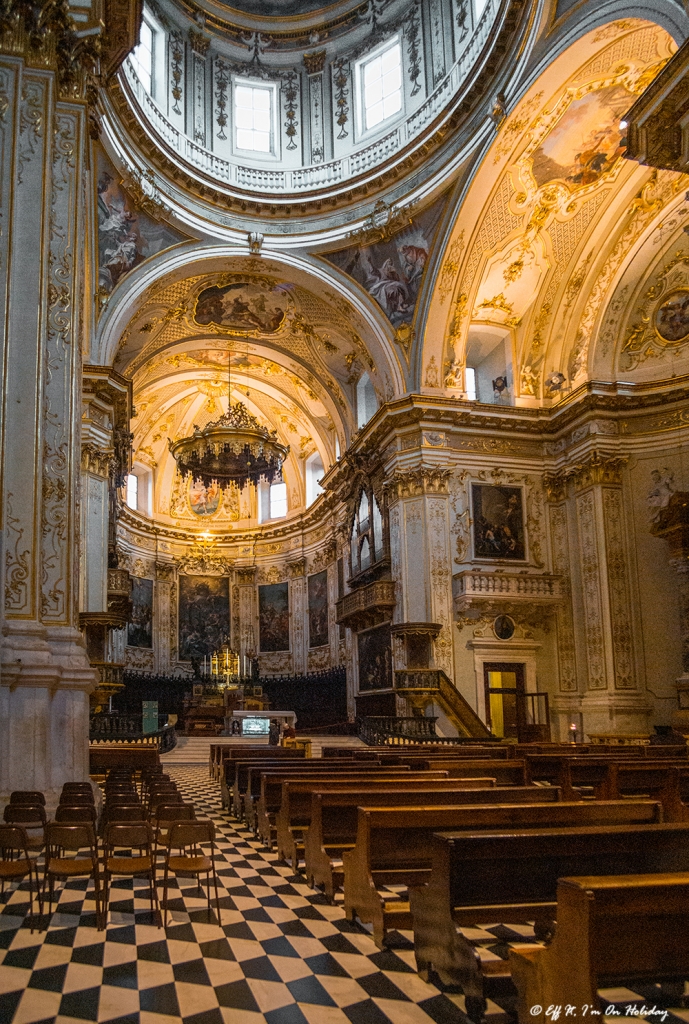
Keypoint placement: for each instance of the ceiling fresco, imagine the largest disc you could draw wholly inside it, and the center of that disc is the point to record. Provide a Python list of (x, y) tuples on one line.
[(295, 357), (561, 211)]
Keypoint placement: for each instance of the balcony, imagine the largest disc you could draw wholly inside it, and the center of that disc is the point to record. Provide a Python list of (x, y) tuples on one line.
[(366, 606), (476, 587)]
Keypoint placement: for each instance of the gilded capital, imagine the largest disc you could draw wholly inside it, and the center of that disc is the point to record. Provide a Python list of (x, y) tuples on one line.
[(415, 482)]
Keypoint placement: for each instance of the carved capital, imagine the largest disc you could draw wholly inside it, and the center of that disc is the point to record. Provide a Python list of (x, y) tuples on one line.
[(314, 62), (296, 568), (246, 575), (165, 571), (415, 482), (598, 469), (555, 487), (96, 460)]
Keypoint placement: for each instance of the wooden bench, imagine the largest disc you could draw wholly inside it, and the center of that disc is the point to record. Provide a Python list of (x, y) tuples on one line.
[(230, 765), (395, 845), (333, 824), (286, 801), (121, 755), (609, 778), (511, 876), (247, 789), (226, 755), (610, 930)]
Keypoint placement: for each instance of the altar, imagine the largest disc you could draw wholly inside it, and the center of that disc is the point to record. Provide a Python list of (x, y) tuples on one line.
[(256, 724)]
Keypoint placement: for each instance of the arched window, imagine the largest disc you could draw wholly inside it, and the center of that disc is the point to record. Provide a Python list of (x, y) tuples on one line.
[(366, 402), (272, 501), (367, 544), (314, 472), (133, 491)]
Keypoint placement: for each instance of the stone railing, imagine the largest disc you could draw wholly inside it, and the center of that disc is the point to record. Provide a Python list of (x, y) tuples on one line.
[(308, 178), (475, 586)]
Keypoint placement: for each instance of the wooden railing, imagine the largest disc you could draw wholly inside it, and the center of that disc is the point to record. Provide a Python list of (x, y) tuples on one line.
[(433, 683), (123, 728)]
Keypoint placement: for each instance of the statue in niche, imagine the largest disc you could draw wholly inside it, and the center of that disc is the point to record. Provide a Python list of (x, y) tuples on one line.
[(662, 488), (453, 377)]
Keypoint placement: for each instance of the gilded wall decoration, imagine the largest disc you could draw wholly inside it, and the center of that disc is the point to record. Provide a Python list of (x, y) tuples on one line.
[(662, 324), (126, 235), (590, 577), (498, 522), (140, 625), (204, 615), (565, 624), (273, 617), (391, 271)]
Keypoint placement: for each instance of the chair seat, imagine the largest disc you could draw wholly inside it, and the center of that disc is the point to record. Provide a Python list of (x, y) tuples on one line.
[(14, 868), (128, 865), (68, 866), (192, 864)]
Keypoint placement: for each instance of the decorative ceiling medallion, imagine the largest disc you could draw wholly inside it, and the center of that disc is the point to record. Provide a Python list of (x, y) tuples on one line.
[(671, 317), (231, 451)]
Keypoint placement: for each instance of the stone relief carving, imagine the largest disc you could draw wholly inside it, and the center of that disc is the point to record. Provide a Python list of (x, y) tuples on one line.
[(620, 608), (662, 488), (590, 577)]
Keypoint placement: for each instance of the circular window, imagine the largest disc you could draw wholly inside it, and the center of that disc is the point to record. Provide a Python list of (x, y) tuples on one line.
[(503, 627)]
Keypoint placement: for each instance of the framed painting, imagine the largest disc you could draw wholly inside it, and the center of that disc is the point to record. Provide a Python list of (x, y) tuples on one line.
[(318, 609), (273, 617), (498, 522), (140, 626), (204, 615), (375, 658)]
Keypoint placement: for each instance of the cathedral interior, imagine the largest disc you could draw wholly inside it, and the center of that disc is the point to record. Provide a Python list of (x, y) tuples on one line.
[(356, 389)]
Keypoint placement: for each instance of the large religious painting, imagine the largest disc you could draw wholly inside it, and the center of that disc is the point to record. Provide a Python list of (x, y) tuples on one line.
[(391, 269), (672, 316), (204, 615), (375, 658), (140, 626), (586, 142), (273, 616), (126, 235), (498, 522), (244, 306), (318, 609)]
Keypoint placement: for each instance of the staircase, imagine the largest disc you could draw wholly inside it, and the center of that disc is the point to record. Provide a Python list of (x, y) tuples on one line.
[(423, 686)]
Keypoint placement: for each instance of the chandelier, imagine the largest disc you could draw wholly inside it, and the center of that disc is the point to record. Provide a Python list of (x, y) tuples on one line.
[(234, 450)]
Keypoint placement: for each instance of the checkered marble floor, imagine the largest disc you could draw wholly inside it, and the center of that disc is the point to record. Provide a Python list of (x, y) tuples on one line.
[(281, 953)]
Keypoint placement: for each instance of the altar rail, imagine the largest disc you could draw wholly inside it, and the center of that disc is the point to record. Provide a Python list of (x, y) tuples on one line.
[(128, 728)]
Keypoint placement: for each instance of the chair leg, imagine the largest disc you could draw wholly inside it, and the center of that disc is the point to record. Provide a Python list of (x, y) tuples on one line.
[(217, 897), (165, 895)]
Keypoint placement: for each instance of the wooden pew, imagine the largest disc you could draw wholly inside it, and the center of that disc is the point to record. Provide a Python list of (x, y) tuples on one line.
[(511, 876), (121, 755), (609, 778), (286, 800), (394, 845), (246, 792), (333, 824), (229, 766), (610, 930), (229, 754)]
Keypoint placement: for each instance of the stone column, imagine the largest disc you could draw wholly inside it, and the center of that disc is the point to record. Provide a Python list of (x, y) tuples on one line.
[(162, 612), (45, 674), (248, 612), (421, 554), (672, 524), (298, 614), (611, 703)]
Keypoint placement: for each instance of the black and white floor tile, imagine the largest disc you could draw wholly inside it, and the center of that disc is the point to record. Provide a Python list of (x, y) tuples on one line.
[(280, 955)]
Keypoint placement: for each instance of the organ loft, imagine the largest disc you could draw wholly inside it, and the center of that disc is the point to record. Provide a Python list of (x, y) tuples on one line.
[(344, 511)]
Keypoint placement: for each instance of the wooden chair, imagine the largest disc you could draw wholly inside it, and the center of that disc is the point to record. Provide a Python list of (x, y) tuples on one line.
[(611, 930), (76, 800), (15, 862), (30, 817), (61, 839), (27, 796), (138, 837), (122, 813), (188, 837), (76, 813), (166, 816)]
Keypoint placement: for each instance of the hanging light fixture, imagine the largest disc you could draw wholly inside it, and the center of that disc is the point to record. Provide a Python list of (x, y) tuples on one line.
[(233, 450)]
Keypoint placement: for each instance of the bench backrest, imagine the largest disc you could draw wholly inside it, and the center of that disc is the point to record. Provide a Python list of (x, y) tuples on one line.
[(334, 813), (293, 795), (523, 866), (403, 835)]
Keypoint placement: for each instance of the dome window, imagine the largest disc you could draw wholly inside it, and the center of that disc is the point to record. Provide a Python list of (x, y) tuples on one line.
[(141, 56), (254, 107), (380, 79)]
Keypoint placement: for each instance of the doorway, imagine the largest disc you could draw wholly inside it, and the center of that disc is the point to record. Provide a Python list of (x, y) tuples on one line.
[(504, 684)]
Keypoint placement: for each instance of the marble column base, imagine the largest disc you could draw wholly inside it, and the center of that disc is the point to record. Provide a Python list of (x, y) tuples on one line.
[(616, 712), (45, 682)]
